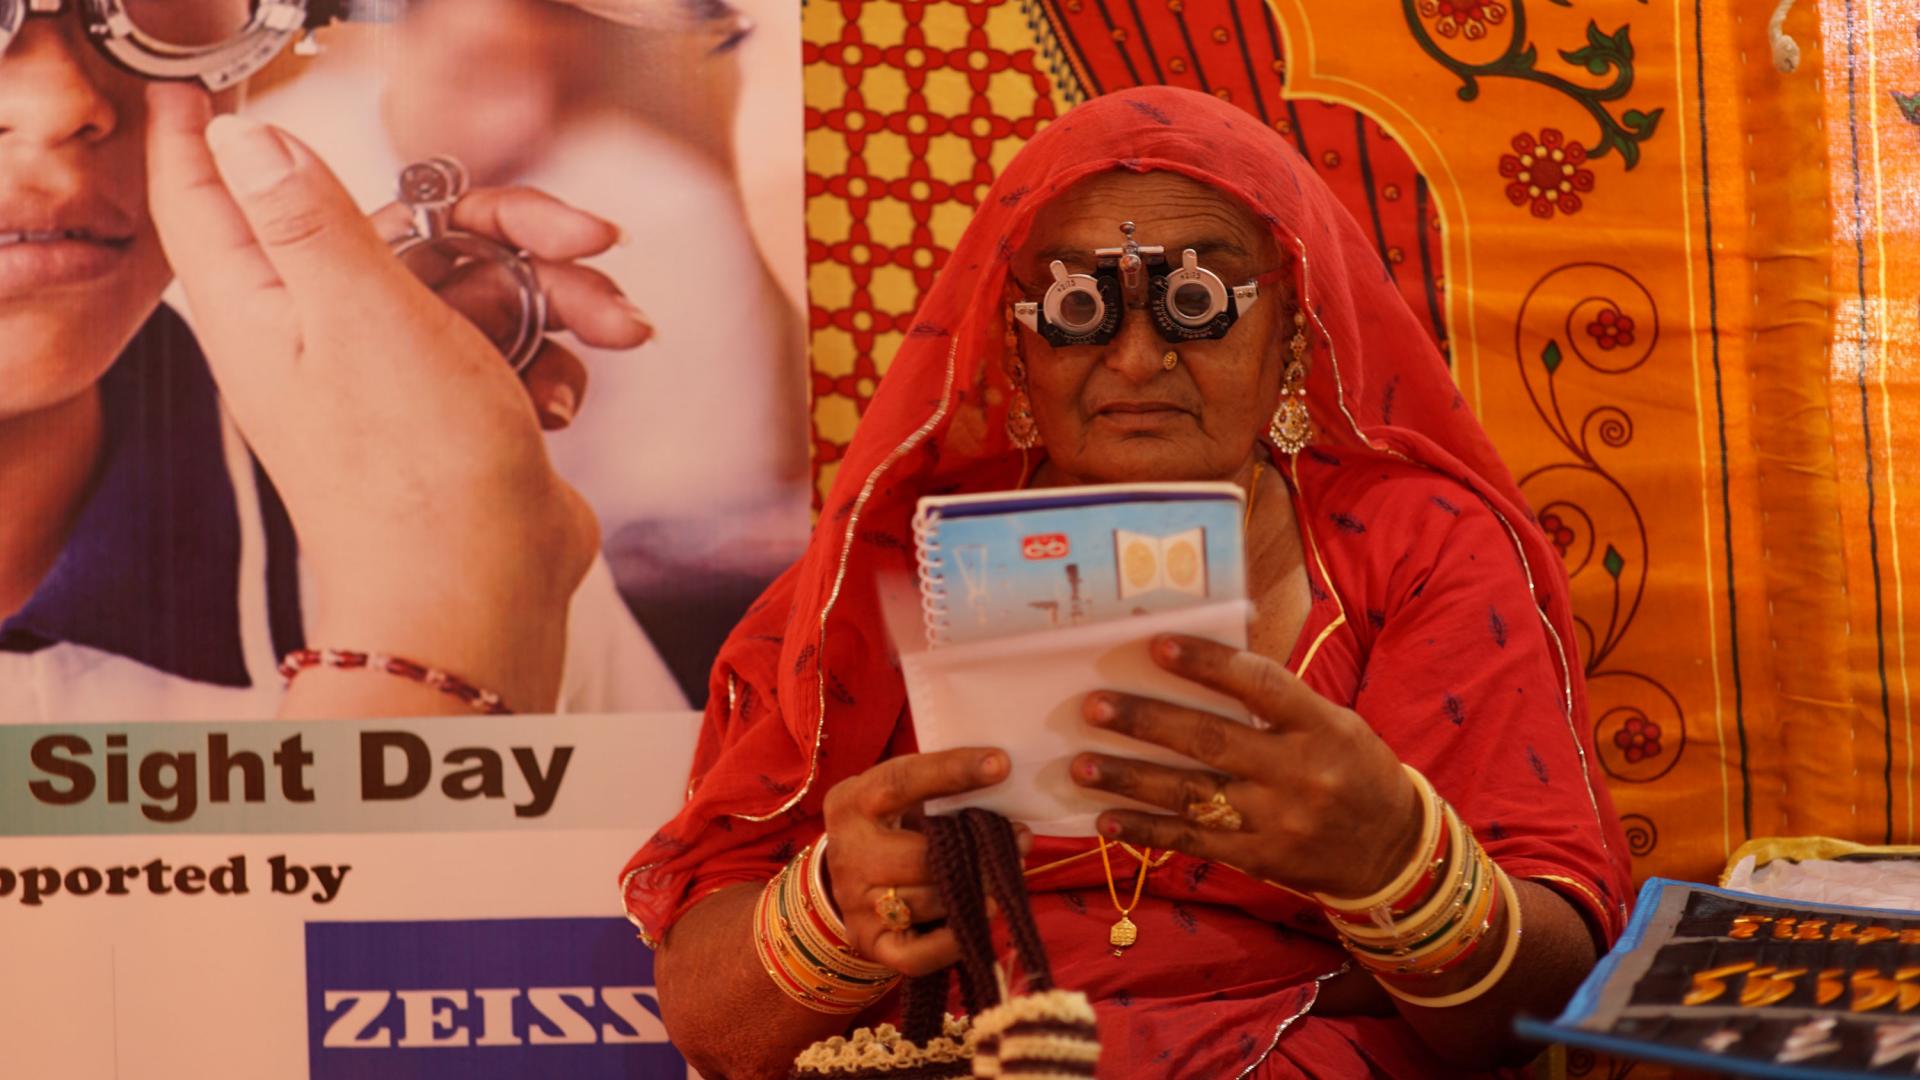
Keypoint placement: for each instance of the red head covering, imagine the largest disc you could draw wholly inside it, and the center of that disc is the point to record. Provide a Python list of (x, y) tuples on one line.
[(805, 693)]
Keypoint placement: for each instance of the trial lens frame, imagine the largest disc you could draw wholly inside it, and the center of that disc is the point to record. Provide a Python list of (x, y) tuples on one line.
[(1186, 303), (273, 25)]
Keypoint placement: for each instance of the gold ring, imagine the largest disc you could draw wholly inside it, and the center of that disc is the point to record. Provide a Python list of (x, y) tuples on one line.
[(1216, 813), (893, 911)]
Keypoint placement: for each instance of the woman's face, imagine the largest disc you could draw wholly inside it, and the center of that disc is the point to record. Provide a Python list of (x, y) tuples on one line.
[(1114, 413)]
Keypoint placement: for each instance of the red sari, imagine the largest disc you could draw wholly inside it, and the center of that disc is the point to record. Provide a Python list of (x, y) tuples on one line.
[(1440, 614)]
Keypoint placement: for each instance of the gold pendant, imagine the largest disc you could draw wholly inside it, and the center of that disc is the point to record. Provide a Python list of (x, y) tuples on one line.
[(1292, 426), (1123, 934)]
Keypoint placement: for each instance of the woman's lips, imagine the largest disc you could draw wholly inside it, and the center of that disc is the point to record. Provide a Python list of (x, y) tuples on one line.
[(1140, 415), (38, 260)]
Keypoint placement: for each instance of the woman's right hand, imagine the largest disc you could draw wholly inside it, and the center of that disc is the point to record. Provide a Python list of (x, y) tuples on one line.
[(873, 848)]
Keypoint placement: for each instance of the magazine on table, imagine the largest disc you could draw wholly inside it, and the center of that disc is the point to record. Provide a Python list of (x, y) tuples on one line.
[(1747, 985)]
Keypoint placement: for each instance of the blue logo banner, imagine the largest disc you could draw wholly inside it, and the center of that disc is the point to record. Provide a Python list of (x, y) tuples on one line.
[(484, 999)]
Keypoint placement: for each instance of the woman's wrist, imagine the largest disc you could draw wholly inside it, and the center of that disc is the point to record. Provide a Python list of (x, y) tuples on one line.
[(1424, 934), (803, 948), (505, 635), (1397, 862)]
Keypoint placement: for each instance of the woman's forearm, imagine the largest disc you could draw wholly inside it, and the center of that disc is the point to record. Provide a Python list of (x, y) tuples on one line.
[(1555, 953), (720, 1007)]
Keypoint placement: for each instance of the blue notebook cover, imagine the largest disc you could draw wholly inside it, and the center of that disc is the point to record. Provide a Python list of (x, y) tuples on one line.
[(1746, 985), (1015, 562)]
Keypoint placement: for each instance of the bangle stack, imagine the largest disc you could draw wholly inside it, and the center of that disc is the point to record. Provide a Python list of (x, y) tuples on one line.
[(1436, 913), (803, 946)]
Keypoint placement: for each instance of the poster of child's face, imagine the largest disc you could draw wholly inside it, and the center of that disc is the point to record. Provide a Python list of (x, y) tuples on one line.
[(142, 543)]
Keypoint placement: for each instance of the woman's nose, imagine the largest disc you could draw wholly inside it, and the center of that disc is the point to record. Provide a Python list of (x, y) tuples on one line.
[(49, 95), (1136, 350)]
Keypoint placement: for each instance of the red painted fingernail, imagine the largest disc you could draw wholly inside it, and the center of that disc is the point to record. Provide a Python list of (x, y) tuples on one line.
[(1100, 709), (1109, 827), (993, 766), (1087, 770), (1168, 649)]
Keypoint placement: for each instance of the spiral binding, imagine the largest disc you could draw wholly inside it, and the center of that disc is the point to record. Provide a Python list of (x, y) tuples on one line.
[(933, 576)]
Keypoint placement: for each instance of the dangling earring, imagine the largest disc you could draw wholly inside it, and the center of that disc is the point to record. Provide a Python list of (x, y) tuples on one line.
[(1170, 361), (1292, 426), (1021, 428)]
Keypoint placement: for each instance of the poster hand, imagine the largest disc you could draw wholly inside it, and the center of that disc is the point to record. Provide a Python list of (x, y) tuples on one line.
[(405, 449)]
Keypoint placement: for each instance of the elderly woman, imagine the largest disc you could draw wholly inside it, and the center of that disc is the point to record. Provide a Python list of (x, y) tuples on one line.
[(1410, 626)]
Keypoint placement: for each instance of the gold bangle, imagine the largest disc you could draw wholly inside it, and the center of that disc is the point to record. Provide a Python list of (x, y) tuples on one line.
[(1470, 930), (817, 889), (821, 957), (764, 951), (1492, 978), (1444, 928), (1445, 947), (1448, 894), (822, 976)]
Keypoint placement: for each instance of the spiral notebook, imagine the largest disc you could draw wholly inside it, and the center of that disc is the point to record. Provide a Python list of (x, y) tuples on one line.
[(1031, 600), (1010, 563)]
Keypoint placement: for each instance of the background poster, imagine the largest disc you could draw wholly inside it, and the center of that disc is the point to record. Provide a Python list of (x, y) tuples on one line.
[(189, 888)]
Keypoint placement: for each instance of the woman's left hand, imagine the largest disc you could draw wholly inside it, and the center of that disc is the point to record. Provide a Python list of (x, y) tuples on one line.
[(1324, 803)]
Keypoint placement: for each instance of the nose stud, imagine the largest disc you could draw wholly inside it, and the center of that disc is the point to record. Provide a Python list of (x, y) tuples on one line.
[(1170, 361)]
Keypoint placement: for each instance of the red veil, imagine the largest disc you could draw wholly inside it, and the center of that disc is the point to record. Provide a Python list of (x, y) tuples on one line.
[(805, 692)]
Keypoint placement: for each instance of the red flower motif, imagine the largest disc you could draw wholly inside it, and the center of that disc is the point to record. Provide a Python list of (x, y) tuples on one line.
[(1638, 739), (1468, 18), (1558, 534), (1611, 330), (1546, 174)]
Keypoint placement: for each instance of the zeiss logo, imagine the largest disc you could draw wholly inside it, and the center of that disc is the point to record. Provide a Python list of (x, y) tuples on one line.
[(484, 999)]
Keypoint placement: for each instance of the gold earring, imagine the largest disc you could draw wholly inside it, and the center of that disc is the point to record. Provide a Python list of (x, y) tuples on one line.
[(1292, 426), (1170, 361), (1021, 428)]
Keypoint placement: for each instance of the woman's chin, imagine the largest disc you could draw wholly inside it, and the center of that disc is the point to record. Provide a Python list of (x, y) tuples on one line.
[(1141, 459)]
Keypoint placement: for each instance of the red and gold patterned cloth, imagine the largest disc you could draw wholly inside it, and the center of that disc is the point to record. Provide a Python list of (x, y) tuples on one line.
[(1440, 615)]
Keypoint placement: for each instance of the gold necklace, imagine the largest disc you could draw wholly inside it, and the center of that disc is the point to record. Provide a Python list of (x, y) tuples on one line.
[(1253, 492), (1124, 932)]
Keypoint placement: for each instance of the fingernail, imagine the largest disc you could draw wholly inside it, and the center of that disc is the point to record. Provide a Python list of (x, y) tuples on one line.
[(250, 156), (1100, 709), (1168, 649), (993, 766), (1109, 827), (562, 406), (621, 238), (1086, 770), (639, 319)]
